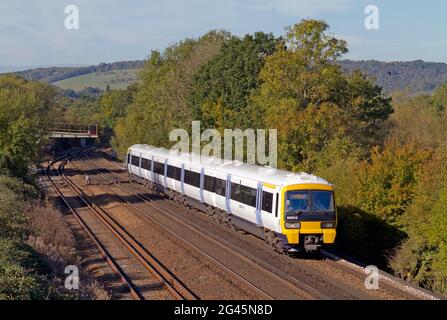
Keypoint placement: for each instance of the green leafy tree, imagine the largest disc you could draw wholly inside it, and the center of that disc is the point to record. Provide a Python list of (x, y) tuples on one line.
[(161, 103), (221, 88), (305, 95), (421, 258), (440, 97), (114, 104), (24, 109)]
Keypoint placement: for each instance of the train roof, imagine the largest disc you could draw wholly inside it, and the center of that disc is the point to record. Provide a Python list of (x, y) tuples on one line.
[(260, 173)]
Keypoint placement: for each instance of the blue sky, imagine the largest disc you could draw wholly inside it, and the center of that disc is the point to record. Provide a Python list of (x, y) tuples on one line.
[(32, 32)]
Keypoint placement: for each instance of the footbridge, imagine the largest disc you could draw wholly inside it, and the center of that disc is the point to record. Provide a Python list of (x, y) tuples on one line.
[(72, 130)]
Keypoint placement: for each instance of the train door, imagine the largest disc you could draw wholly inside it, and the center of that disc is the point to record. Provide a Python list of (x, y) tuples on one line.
[(220, 191), (258, 211), (243, 199), (268, 214)]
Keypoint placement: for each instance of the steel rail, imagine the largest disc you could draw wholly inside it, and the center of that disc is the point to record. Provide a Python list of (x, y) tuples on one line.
[(103, 251), (175, 286)]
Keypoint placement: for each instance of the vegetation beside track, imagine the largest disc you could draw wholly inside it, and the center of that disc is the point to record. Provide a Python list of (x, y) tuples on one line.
[(35, 243)]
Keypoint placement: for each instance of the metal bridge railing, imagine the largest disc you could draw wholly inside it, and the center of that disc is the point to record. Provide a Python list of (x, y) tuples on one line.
[(88, 129)]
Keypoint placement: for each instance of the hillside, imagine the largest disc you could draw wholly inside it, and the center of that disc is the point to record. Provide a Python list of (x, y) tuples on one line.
[(54, 74), (116, 79), (417, 76)]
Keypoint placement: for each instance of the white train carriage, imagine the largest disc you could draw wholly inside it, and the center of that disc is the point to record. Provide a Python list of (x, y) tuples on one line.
[(291, 211)]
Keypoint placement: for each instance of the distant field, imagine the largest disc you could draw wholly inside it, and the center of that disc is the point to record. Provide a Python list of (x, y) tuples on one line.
[(116, 79)]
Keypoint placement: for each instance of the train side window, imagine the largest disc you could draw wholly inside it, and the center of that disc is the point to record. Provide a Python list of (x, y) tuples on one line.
[(195, 179), (146, 164), (159, 168), (209, 183), (219, 187), (248, 196), (187, 177), (135, 161), (235, 192), (171, 172), (178, 173), (267, 201)]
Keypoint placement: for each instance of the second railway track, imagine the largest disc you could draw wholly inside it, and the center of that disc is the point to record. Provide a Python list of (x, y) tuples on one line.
[(158, 281)]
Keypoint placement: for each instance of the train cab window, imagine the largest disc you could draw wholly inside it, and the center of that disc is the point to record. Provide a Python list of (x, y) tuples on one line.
[(159, 168), (209, 183), (322, 201), (135, 161), (267, 201), (297, 202), (128, 158), (146, 164), (219, 187)]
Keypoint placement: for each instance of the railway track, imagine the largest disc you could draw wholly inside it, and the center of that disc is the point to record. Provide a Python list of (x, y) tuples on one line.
[(283, 279), (390, 284), (103, 251), (176, 289)]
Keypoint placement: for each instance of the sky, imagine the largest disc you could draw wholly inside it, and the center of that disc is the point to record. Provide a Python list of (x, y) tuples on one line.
[(33, 32)]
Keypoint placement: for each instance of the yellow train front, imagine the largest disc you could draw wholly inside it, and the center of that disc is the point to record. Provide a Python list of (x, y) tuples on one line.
[(308, 216)]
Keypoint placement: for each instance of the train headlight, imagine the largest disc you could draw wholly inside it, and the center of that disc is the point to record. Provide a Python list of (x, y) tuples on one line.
[(293, 225), (328, 225)]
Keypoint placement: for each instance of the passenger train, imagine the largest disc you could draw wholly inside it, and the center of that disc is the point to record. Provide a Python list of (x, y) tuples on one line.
[(291, 211)]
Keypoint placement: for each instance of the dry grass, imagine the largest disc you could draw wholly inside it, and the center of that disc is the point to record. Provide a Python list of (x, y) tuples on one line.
[(54, 241)]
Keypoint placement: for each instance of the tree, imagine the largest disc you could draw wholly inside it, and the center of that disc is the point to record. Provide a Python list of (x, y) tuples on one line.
[(305, 95), (161, 103), (366, 109), (387, 183), (227, 80), (300, 78), (422, 257), (24, 109), (114, 104), (440, 97)]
